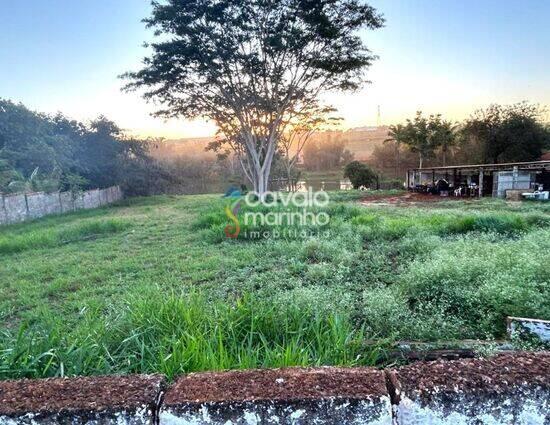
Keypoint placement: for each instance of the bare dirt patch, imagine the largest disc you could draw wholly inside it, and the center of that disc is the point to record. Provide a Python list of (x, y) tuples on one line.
[(84, 393), (277, 384), (475, 375), (408, 199)]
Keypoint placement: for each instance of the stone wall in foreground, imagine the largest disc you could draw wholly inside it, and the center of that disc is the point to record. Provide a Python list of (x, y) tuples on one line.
[(505, 389), (28, 206)]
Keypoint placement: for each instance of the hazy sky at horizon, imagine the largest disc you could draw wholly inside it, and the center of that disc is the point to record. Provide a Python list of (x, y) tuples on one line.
[(438, 56)]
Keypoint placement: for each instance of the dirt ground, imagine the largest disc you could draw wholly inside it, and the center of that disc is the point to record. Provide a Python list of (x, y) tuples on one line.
[(82, 393), (409, 199), (277, 384)]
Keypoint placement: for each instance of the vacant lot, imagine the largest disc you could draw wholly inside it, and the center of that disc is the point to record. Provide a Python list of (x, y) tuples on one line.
[(154, 285)]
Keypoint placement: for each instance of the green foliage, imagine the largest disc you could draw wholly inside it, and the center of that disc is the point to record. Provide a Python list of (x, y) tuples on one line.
[(509, 133), (294, 52), (326, 155), (180, 333), (496, 134), (424, 135), (40, 152), (360, 174), (49, 237), (159, 288)]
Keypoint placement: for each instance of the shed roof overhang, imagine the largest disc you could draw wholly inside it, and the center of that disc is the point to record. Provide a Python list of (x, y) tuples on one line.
[(535, 165)]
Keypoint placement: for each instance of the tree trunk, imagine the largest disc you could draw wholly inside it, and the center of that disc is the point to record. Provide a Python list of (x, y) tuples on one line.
[(421, 160), (258, 167), (397, 161), (290, 183)]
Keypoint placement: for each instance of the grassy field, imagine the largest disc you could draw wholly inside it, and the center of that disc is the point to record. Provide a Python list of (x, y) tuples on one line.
[(153, 285)]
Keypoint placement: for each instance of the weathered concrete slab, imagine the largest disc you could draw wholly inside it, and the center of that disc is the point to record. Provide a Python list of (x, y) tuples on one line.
[(16, 208), (505, 389), (3, 218), (279, 396), (131, 400), (67, 201), (78, 201), (40, 204), (103, 196), (116, 193), (519, 327), (90, 199), (112, 194)]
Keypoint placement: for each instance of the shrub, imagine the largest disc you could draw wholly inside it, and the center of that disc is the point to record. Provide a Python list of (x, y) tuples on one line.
[(360, 174)]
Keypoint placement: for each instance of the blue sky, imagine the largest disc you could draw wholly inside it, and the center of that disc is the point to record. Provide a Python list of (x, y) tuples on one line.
[(438, 56)]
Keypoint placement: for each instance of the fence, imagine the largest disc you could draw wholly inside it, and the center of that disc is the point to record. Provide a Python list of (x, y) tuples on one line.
[(28, 206)]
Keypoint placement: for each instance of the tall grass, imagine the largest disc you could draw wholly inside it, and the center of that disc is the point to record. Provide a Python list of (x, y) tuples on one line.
[(430, 273), (49, 237), (182, 333), (378, 226)]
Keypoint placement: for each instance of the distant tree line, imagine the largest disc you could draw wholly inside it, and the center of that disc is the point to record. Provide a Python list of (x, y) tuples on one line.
[(497, 134), (328, 155), (40, 152)]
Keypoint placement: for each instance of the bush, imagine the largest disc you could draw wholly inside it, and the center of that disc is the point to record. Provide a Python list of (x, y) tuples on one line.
[(360, 174)]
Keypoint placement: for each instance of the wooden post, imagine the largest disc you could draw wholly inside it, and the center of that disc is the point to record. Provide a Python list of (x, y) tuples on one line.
[(454, 178), (481, 182), (433, 177)]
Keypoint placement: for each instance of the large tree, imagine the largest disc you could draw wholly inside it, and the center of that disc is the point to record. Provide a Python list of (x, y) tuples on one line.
[(252, 66), (423, 135), (443, 136), (398, 135), (418, 134), (509, 133)]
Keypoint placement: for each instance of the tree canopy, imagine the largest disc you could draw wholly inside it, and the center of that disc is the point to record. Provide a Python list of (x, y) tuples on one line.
[(43, 152), (509, 133), (253, 66), (423, 135)]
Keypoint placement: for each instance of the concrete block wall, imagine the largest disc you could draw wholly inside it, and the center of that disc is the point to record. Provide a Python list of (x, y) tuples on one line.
[(90, 199), (3, 217), (66, 199), (41, 204), (15, 208), (505, 389), (21, 207)]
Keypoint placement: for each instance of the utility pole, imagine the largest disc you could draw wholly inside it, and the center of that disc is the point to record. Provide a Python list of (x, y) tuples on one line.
[(378, 117)]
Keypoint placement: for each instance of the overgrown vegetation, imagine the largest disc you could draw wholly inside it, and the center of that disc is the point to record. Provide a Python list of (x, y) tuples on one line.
[(496, 134), (40, 152), (153, 285), (49, 237), (176, 333), (359, 174)]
